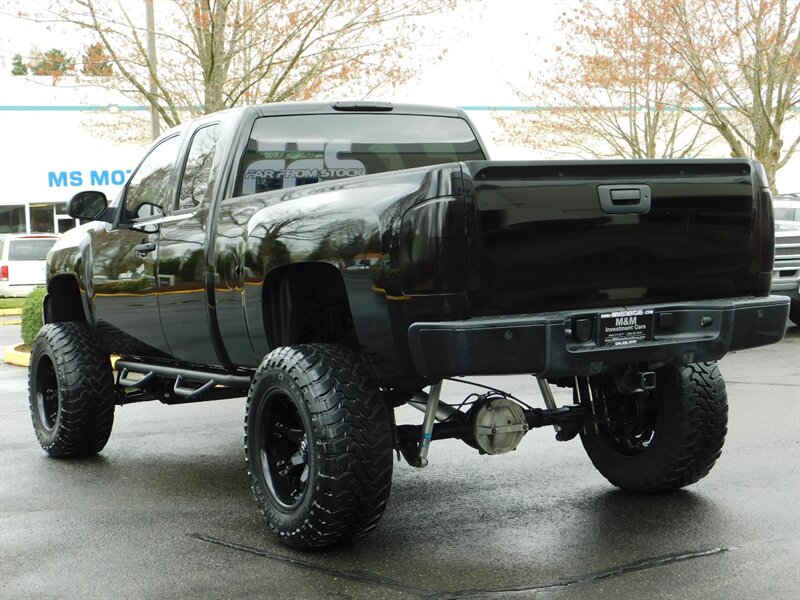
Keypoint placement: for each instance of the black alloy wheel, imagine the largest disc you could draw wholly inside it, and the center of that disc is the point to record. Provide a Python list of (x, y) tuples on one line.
[(629, 422), (46, 402), (283, 448)]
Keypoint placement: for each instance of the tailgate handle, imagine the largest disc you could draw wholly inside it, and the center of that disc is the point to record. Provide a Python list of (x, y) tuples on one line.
[(624, 198)]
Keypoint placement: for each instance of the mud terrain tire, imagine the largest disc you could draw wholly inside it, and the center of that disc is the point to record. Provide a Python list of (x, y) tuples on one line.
[(71, 390), (318, 444), (680, 440)]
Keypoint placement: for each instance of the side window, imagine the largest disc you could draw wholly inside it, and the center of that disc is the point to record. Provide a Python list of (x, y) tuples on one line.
[(149, 186), (197, 173)]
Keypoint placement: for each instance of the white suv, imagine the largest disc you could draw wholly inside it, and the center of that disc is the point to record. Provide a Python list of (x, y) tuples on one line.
[(22, 262)]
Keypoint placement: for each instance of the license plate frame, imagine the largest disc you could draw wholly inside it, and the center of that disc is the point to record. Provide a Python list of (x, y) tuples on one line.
[(626, 327)]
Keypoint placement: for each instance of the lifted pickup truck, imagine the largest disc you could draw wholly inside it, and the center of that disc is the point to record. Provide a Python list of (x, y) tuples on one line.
[(334, 261)]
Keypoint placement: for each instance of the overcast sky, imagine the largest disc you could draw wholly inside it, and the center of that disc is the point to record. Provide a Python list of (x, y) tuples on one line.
[(492, 45)]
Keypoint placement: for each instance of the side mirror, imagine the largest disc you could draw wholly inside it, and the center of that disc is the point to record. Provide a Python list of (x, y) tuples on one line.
[(90, 206)]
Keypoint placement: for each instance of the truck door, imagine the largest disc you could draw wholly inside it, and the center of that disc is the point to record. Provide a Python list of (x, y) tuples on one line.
[(124, 277), (182, 255)]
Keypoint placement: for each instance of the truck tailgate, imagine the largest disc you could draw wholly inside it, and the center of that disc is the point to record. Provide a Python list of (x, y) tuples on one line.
[(563, 235)]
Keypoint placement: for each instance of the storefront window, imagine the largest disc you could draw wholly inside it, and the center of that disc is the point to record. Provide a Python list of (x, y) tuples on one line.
[(42, 218), (12, 219), (65, 224)]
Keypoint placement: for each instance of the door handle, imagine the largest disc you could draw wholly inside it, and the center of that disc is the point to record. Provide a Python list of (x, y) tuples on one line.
[(144, 249), (624, 199)]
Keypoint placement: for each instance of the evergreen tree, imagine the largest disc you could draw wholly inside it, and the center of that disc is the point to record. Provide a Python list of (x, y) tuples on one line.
[(53, 62), (17, 66)]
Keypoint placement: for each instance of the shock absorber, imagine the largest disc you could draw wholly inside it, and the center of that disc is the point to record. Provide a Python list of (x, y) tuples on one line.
[(427, 424)]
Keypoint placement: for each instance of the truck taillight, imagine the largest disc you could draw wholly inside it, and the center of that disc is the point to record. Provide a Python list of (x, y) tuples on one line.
[(3, 272), (766, 231), (433, 248), (766, 223)]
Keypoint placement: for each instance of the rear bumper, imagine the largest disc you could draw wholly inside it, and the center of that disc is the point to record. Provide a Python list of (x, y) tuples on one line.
[(544, 344)]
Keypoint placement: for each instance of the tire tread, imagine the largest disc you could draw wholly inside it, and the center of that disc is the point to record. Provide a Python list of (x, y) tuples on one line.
[(85, 386), (354, 442)]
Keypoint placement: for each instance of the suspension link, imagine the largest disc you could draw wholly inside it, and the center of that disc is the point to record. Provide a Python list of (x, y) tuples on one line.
[(547, 394)]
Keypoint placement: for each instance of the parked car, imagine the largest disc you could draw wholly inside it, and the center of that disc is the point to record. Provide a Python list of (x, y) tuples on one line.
[(786, 273), (22, 262), (786, 207)]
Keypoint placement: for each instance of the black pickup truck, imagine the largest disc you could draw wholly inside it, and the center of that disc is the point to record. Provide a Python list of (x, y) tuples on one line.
[(334, 261)]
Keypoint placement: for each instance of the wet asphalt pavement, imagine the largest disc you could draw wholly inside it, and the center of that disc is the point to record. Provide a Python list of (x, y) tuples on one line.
[(166, 511)]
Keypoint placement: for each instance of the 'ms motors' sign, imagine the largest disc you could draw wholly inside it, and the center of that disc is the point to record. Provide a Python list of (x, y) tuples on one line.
[(81, 178)]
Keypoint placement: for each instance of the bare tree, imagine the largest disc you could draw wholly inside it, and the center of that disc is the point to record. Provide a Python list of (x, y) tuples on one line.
[(214, 54), (611, 93), (740, 60)]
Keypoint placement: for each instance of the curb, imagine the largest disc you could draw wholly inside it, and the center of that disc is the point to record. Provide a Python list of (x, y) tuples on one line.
[(10, 323), (10, 312), (23, 359), (14, 357)]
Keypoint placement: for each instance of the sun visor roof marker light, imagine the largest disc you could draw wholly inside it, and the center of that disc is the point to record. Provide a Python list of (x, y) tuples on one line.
[(363, 106)]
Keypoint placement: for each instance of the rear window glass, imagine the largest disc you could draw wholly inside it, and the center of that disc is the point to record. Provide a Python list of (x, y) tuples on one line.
[(297, 150), (29, 249)]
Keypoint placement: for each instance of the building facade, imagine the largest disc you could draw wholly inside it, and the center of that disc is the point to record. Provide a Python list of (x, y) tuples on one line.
[(57, 139)]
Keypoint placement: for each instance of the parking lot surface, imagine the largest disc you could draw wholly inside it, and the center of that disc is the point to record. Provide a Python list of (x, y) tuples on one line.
[(165, 511)]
